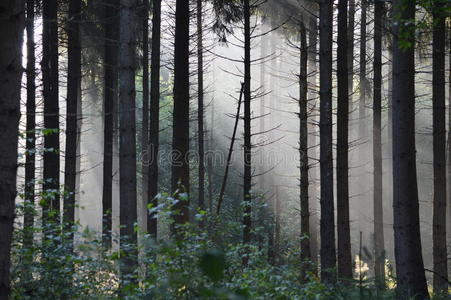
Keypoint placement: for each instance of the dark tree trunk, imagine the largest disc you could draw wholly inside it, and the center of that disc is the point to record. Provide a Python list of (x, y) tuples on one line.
[(327, 230), (351, 29), (247, 179), (154, 114), (145, 111), (127, 151), (110, 102), (449, 150), (210, 158), (12, 23), (73, 94), (439, 144), (303, 155), (262, 108), (180, 135), (30, 166), (379, 255), (362, 70), (229, 155), (343, 227), (312, 72), (411, 281), (362, 134), (51, 111), (200, 105)]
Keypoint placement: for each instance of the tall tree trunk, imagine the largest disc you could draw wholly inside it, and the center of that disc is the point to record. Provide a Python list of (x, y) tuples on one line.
[(362, 135), (449, 149), (210, 158), (180, 135), (343, 227), (312, 72), (379, 255), (200, 104), (154, 115), (327, 230), (110, 109), (362, 71), (411, 280), (439, 144), (303, 155), (51, 111), (350, 35), (12, 23), (272, 247), (73, 94), (127, 151), (145, 112), (247, 179), (30, 165), (262, 108)]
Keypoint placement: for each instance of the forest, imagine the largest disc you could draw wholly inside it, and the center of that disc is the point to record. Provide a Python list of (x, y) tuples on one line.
[(225, 149)]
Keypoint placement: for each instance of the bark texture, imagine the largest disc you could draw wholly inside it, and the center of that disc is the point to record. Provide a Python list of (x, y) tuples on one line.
[(247, 179), (411, 280), (327, 230), (379, 253), (303, 154), (110, 108), (154, 127), (343, 222), (440, 259), (49, 67), (12, 23), (127, 151), (73, 94), (180, 134), (30, 158)]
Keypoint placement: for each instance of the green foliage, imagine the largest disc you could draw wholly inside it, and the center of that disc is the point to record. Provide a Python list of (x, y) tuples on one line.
[(205, 264)]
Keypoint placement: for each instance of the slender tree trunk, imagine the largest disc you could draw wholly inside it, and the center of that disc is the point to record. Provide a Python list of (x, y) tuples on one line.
[(439, 144), (343, 227), (327, 232), (210, 157), (272, 247), (411, 281), (303, 155), (362, 71), (229, 155), (362, 135), (200, 105), (379, 255), (30, 165), (73, 93), (247, 179), (277, 213), (262, 108), (449, 149), (180, 136), (351, 29), (154, 115), (127, 151), (12, 23), (145, 112), (110, 109), (51, 111), (312, 72), (145, 117)]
